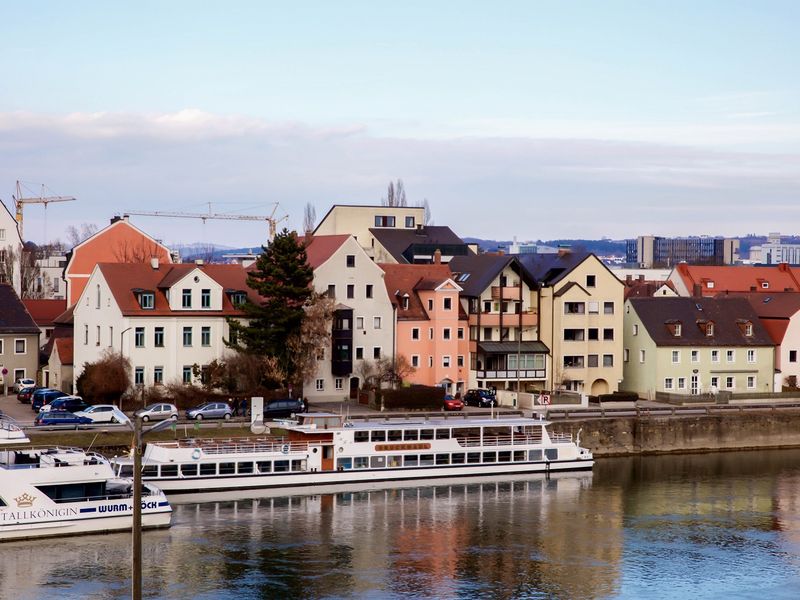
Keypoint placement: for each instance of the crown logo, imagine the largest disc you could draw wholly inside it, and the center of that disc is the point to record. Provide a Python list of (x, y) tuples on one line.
[(25, 500)]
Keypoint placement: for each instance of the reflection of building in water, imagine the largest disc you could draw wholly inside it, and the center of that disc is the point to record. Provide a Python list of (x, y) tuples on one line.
[(787, 508)]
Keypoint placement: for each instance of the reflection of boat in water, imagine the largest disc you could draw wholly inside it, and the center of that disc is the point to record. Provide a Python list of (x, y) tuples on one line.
[(326, 449), (66, 491)]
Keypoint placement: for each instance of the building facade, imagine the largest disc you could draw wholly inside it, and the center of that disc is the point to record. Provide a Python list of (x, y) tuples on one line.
[(19, 339), (10, 249), (651, 251)]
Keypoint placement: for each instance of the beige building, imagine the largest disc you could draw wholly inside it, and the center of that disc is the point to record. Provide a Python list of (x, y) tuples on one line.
[(19, 340), (59, 367), (695, 345)]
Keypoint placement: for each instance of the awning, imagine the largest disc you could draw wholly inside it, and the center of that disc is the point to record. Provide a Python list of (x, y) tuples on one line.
[(513, 347)]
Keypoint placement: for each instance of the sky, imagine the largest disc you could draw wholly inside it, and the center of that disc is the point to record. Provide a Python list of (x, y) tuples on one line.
[(533, 119)]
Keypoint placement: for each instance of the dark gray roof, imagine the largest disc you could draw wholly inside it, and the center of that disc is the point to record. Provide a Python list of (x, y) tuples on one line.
[(475, 272), (548, 269), (14, 318), (727, 314), (398, 241), (512, 347)]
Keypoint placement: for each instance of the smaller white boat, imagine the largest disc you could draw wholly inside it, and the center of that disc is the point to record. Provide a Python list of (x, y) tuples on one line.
[(66, 491)]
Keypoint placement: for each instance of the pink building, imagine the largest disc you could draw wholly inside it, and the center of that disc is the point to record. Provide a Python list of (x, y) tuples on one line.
[(431, 325)]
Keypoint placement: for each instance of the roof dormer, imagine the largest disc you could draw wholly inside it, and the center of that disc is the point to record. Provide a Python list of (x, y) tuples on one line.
[(674, 327)]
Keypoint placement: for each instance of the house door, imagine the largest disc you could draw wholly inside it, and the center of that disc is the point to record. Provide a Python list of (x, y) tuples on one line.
[(353, 388), (327, 458), (694, 385)]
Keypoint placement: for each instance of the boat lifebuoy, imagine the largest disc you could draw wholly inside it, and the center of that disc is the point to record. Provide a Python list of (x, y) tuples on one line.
[(196, 454), (285, 448)]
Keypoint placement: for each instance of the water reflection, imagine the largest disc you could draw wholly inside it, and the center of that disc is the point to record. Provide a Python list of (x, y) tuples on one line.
[(666, 527)]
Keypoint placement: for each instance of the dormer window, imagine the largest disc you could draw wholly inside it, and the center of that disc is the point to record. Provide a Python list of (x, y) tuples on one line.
[(748, 329), (238, 298), (405, 302), (674, 328), (147, 300), (186, 298), (709, 284), (765, 285), (710, 329)]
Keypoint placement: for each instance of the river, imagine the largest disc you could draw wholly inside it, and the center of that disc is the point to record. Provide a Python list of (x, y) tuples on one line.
[(693, 526)]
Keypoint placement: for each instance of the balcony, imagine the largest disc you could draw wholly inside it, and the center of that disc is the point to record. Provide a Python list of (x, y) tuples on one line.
[(510, 319), (506, 293), (507, 374)]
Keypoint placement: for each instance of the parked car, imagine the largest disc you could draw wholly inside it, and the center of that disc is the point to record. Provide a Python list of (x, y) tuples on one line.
[(480, 397), (158, 412), (210, 410), (104, 413), (281, 409), (22, 383), (60, 417), (24, 395), (451, 403), (69, 403), (44, 396)]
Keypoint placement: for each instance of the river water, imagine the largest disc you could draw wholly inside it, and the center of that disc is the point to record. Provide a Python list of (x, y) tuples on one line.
[(694, 526)]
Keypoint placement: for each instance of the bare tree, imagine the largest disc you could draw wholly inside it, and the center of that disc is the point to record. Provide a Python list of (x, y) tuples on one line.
[(31, 284), (427, 217), (136, 252), (8, 264), (314, 336), (395, 195), (77, 235), (394, 370), (309, 218)]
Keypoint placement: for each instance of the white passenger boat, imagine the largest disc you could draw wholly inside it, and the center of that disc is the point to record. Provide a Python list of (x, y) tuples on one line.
[(66, 491), (325, 449)]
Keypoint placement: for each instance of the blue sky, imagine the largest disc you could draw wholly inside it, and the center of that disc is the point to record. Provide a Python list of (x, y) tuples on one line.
[(575, 118)]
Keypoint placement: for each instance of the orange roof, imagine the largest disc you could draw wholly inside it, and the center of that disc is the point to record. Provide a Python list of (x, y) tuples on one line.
[(776, 328), (404, 280), (44, 312), (739, 278), (65, 346), (322, 247)]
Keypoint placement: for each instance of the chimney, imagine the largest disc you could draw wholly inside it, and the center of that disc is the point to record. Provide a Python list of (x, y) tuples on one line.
[(641, 277), (199, 262), (154, 263), (628, 279), (697, 290), (437, 257)]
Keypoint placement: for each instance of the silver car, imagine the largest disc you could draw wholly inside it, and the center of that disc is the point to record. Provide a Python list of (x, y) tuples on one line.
[(158, 412), (210, 410)]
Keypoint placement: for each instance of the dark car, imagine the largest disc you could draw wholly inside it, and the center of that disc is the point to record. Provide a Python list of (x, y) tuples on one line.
[(281, 409), (480, 397), (451, 403), (44, 396), (25, 394), (60, 417), (69, 403), (210, 410)]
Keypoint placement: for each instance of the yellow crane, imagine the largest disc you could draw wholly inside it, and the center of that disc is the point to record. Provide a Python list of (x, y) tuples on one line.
[(20, 202)]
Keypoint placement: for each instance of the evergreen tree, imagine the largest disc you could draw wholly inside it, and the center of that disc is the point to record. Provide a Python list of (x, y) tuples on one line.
[(282, 278)]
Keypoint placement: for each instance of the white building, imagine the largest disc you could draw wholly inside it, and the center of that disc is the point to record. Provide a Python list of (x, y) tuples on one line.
[(165, 318), (10, 249)]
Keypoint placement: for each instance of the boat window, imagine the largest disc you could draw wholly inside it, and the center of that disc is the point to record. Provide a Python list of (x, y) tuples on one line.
[(473, 457), (377, 462), (395, 435), (73, 491), (244, 467), (411, 460), (458, 458), (361, 436), (426, 434), (227, 468), (3, 502), (125, 471), (208, 468), (442, 459), (344, 463), (442, 434), (551, 453), (361, 462), (489, 457), (394, 461), (378, 436), (189, 470), (281, 466), (534, 455), (411, 434), (519, 455), (169, 470), (504, 456), (150, 471), (497, 431), (426, 459), (264, 466), (467, 433), (299, 465)]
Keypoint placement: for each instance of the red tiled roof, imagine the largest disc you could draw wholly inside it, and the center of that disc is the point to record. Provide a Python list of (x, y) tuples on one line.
[(776, 328), (65, 347), (407, 279), (641, 288), (44, 312), (322, 247), (739, 278)]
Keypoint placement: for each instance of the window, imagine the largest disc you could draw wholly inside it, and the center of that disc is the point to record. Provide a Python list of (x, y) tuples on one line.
[(20, 346), (608, 360), (709, 329), (592, 362), (205, 336), (98, 296), (715, 382), (430, 304), (573, 362), (430, 333), (626, 354), (446, 333), (430, 361), (384, 221), (158, 375), (641, 356), (368, 291), (376, 352), (695, 354), (676, 329), (792, 355), (351, 290), (460, 360), (635, 329), (676, 357), (573, 335), (187, 374), (351, 261), (331, 291), (715, 356), (138, 337), (409, 222), (415, 360), (359, 353), (668, 383), (594, 308), (238, 298), (319, 385), (487, 306), (447, 304), (608, 333), (205, 298), (376, 322), (751, 382), (415, 333), (98, 335), (2, 234), (594, 334), (85, 335), (147, 300), (681, 383), (158, 337), (338, 384), (460, 333), (751, 356), (359, 322), (110, 334), (187, 336), (608, 308), (748, 329), (186, 298), (591, 280), (730, 355), (138, 376), (729, 382), (574, 308), (487, 334), (405, 302), (1, 349), (446, 362)]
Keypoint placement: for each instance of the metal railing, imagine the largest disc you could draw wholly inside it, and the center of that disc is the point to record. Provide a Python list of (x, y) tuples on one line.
[(601, 412), (239, 446), (499, 440)]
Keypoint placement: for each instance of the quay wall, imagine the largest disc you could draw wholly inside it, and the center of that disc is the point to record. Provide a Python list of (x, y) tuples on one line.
[(622, 436)]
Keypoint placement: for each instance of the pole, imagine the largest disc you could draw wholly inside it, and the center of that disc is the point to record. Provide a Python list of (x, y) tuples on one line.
[(136, 574)]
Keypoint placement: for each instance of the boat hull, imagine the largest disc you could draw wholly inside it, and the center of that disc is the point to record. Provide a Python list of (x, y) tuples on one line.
[(106, 524)]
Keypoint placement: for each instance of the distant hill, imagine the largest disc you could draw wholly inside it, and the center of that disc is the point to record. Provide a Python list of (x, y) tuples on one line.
[(599, 247)]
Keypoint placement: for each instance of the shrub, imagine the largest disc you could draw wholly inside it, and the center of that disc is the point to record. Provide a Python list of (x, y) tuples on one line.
[(415, 397)]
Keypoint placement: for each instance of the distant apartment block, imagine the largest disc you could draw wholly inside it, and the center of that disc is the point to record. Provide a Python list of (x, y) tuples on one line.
[(649, 251), (775, 252)]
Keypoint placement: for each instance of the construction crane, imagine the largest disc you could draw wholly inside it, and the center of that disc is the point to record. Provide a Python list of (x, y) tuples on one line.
[(273, 222), (20, 202)]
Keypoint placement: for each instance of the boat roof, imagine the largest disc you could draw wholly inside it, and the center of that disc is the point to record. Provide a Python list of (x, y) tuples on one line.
[(422, 422)]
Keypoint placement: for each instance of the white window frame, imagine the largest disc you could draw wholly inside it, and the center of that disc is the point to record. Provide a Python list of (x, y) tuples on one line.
[(593, 307), (24, 346), (668, 383), (415, 361), (681, 383), (1, 346), (445, 301), (319, 385), (694, 356), (751, 382), (732, 385), (730, 356), (626, 355), (361, 348), (715, 356), (447, 333), (635, 329), (415, 333), (446, 361), (715, 381), (751, 356), (642, 356), (676, 357), (376, 322), (359, 322), (338, 384)]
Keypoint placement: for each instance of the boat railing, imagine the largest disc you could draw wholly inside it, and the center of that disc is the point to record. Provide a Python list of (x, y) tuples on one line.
[(499, 440), (241, 446), (561, 438)]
